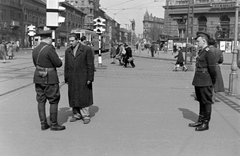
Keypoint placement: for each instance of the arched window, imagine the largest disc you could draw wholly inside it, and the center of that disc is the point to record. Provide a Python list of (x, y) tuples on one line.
[(202, 23), (225, 26)]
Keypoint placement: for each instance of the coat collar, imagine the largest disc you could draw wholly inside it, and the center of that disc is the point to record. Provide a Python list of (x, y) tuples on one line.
[(79, 50)]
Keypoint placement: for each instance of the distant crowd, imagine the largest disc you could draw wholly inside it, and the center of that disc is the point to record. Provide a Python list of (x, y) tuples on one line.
[(123, 53), (7, 50)]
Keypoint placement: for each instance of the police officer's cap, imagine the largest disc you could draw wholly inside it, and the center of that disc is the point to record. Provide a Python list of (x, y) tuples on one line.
[(202, 34), (45, 33)]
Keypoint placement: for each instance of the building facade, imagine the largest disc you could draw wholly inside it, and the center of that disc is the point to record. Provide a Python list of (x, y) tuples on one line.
[(74, 18), (183, 18), (33, 13), (11, 25), (152, 27), (89, 7)]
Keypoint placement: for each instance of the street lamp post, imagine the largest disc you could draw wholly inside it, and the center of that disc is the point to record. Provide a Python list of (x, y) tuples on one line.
[(233, 77), (189, 37)]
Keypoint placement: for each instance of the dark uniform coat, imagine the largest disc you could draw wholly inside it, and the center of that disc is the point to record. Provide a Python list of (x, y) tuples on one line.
[(78, 70), (205, 74), (219, 85), (48, 58)]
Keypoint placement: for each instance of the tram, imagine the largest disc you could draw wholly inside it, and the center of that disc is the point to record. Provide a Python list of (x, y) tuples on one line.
[(93, 38)]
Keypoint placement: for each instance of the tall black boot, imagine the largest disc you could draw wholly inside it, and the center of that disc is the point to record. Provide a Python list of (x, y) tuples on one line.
[(53, 118), (198, 123), (42, 116), (203, 127), (200, 117), (207, 117)]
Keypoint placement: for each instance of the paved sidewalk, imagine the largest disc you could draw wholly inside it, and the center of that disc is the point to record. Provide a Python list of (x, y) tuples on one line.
[(137, 112)]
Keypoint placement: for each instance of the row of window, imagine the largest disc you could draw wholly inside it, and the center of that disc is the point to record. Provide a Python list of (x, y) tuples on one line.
[(15, 16), (11, 2), (185, 2)]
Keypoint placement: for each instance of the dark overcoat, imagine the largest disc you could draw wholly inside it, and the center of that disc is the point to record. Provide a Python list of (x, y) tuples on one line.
[(78, 70), (219, 85)]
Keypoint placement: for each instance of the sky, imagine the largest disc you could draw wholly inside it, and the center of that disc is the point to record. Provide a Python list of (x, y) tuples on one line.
[(125, 10)]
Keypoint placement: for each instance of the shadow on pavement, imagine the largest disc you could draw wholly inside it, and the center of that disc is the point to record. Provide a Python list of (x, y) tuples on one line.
[(190, 115), (93, 110), (63, 114), (66, 112)]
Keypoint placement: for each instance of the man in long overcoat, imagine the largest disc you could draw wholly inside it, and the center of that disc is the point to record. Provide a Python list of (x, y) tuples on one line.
[(79, 75), (219, 85)]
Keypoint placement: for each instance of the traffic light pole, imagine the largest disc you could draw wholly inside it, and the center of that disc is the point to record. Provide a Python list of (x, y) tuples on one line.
[(32, 38), (99, 51), (53, 36)]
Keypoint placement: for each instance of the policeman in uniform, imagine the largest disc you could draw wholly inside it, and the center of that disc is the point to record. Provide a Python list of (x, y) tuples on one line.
[(46, 80), (203, 81)]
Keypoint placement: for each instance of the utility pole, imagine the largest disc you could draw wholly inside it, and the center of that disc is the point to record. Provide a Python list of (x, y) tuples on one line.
[(233, 77), (168, 17), (189, 37), (168, 23)]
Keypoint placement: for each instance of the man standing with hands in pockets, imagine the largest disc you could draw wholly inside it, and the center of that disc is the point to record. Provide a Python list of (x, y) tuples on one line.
[(79, 75)]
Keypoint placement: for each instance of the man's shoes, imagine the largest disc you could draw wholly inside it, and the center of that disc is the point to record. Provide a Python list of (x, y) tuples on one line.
[(86, 121), (57, 127), (76, 117), (44, 126), (73, 119)]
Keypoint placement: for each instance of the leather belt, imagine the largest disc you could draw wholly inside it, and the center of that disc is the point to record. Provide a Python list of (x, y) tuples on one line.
[(42, 68), (201, 70)]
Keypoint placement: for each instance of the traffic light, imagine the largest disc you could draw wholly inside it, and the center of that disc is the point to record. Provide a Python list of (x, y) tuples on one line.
[(31, 30), (99, 23), (53, 10)]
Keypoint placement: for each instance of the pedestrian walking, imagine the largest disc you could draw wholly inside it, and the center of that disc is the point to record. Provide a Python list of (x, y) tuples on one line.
[(180, 61), (90, 44), (120, 51), (113, 53), (79, 75), (203, 81), (3, 51), (152, 48), (10, 50), (46, 80), (17, 46), (128, 58), (219, 85), (83, 40), (175, 48)]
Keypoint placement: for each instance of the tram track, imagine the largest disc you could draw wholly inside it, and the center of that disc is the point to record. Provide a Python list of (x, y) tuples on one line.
[(27, 85), (11, 69)]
